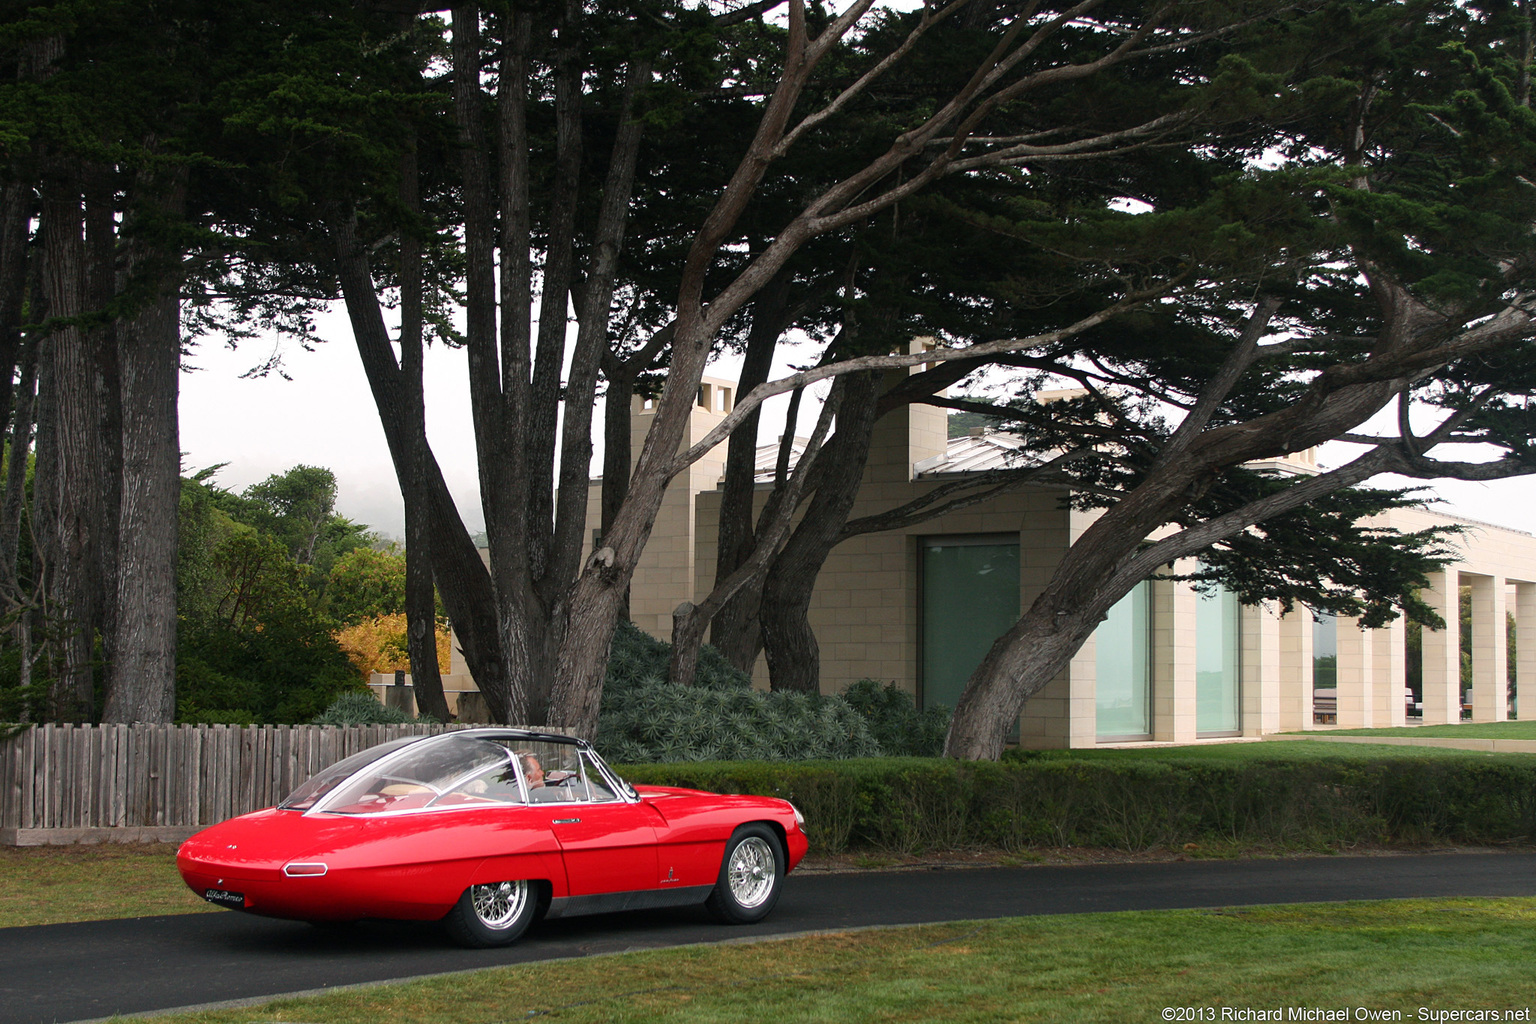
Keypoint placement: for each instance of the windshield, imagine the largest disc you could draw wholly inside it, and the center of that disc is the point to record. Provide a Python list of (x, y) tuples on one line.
[(303, 798)]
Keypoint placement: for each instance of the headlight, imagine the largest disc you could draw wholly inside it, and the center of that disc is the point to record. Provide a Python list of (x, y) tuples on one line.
[(799, 818)]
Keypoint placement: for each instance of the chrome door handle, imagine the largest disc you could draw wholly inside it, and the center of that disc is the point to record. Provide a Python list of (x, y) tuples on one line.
[(566, 821)]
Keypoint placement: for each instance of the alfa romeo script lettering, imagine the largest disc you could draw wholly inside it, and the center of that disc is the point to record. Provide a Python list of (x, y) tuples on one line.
[(225, 897)]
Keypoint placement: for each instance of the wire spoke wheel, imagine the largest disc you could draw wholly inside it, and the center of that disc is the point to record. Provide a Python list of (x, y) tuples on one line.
[(751, 872), (751, 876), (499, 904), (493, 913)]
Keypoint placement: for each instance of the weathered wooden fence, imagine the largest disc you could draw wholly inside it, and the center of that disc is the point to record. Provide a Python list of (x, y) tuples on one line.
[(127, 783)]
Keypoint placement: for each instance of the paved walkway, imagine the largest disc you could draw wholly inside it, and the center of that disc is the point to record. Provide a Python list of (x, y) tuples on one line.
[(1447, 742)]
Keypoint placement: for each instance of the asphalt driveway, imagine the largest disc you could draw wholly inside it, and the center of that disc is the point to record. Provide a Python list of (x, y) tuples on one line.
[(74, 972)]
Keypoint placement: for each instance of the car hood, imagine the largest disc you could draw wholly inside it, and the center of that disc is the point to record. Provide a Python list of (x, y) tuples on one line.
[(672, 800)]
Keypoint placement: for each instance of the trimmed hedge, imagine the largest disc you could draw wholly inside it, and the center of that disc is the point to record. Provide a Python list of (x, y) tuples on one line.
[(912, 805)]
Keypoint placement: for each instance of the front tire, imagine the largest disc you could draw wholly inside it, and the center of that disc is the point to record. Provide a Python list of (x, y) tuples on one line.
[(751, 876), (492, 914)]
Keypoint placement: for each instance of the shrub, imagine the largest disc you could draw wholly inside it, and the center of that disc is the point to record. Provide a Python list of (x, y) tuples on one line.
[(653, 720), (636, 658), (895, 722), (361, 708), (916, 804)]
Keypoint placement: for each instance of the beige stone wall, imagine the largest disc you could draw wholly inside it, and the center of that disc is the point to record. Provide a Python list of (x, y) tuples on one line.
[(664, 577)]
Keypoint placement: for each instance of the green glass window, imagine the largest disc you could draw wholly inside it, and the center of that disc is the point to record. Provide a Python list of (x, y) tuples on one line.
[(1218, 682), (970, 595), (1325, 651), (1123, 692)]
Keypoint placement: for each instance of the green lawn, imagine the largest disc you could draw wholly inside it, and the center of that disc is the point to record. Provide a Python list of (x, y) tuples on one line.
[(1392, 955), (55, 884)]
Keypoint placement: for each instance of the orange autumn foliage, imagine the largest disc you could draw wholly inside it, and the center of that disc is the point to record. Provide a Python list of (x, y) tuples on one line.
[(379, 645)]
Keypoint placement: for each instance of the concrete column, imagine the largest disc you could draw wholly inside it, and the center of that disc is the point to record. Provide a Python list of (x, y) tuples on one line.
[(1261, 669), (1442, 650), (1173, 661), (1389, 662), (1356, 676), (1082, 702), (1490, 655), (1296, 670), (1525, 650)]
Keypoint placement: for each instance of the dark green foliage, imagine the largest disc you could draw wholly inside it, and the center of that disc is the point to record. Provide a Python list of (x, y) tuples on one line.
[(365, 583), (895, 722), (18, 703), (1028, 800), (298, 510), (250, 646), (287, 671), (646, 718), (636, 658), (661, 721), (1333, 559), (361, 708)]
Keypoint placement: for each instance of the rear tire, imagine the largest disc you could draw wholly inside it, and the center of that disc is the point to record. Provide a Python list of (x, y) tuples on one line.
[(751, 876), (492, 914)]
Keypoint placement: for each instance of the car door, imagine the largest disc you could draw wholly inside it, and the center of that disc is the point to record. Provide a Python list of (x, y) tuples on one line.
[(608, 843)]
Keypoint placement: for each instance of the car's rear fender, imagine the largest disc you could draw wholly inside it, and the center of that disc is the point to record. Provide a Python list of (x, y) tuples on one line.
[(538, 867)]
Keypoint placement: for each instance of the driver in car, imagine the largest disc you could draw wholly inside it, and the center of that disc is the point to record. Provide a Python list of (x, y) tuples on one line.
[(533, 771)]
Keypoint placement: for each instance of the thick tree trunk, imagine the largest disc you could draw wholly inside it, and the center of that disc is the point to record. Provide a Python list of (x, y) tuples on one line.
[(420, 593), (598, 593), (143, 669), (421, 618), (735, 631), (794, 659), (559, 273), (76, 485), (101, 286), (616, 441), (1019, 665), (509, 489), (37, 642)]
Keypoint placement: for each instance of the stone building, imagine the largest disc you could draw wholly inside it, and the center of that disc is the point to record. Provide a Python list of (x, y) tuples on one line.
[(921, 605)]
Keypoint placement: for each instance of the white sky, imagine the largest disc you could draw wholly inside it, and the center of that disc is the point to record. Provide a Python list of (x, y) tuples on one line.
[(325, 416)]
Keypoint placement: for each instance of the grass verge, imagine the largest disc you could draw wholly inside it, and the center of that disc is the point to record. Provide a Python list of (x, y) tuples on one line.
[(1392, 955), (57, 884)]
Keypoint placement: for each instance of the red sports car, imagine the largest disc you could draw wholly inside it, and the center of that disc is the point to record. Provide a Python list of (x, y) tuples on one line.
[(488, 830)]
